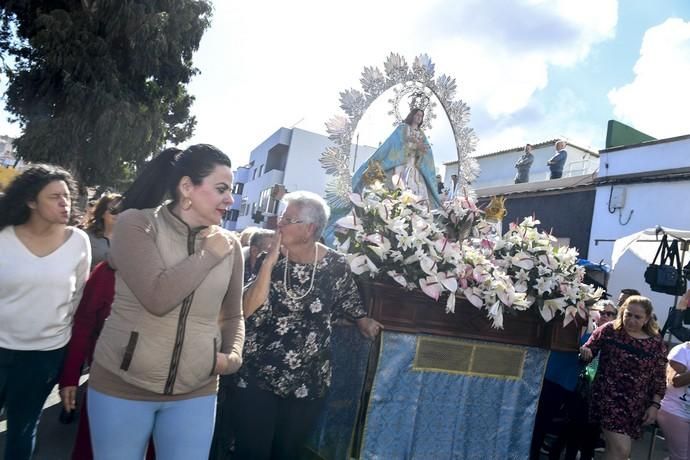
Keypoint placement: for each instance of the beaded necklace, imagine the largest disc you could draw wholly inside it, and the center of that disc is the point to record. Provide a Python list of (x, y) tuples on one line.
[(286, 285)]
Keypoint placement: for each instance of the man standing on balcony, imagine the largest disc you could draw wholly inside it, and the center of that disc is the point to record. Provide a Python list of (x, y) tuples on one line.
[(557, 161), (523, 164)]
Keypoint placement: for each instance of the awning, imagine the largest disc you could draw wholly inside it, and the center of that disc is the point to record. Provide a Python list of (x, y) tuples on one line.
[(644, 244)]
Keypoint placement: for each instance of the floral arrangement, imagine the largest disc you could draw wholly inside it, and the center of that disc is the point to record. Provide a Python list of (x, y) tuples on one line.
[(456, 251)]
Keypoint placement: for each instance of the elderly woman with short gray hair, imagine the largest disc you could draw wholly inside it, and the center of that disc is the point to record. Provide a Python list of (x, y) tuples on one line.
[(299, 288)]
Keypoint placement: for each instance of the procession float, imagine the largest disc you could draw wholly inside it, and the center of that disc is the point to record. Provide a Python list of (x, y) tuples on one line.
[(470, 312)]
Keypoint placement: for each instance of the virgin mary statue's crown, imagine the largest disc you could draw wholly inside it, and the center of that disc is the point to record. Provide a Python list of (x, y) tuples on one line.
[(419, 100)]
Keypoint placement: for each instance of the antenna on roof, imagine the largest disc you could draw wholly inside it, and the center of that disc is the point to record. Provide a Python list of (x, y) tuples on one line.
[(297, 122)]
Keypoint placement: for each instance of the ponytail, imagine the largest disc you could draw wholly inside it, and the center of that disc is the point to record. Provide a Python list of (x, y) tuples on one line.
[(151, 185), (162, 175)]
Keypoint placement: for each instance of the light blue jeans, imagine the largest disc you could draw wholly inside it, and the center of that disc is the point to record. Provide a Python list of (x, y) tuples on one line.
[(121, 428)]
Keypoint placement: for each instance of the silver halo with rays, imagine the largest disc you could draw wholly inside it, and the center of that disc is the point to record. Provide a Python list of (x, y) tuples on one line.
[(417, 81)]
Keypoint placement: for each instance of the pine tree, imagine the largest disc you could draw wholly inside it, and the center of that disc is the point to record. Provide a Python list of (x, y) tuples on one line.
[(99, 85)]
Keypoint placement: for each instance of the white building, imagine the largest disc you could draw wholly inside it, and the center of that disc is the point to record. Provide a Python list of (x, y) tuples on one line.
[(240, 176), (289, 157), (640, 186), (7, 158), (498, 168)]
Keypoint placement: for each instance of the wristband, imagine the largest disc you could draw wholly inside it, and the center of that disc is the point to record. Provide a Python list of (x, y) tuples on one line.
[(655, 404)]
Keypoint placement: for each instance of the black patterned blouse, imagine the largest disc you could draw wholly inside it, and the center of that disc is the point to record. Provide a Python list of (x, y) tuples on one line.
[(287, 348)]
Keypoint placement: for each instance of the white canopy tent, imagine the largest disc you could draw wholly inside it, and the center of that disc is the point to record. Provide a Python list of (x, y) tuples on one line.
[(633, 253), (644, 244)]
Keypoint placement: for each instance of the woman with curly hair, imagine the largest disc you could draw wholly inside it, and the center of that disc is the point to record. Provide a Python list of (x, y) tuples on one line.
[(43, 269)]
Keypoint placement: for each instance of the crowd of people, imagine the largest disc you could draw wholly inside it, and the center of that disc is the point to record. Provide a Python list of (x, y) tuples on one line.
[(179, 307), (220, 344)]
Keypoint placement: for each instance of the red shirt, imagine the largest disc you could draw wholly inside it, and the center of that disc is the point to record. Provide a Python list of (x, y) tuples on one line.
[(91, 313)]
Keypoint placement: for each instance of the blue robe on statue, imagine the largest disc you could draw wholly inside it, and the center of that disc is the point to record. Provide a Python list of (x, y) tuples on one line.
[(397, 152)]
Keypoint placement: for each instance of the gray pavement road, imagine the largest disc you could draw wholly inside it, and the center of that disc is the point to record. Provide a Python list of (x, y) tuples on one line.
[(55, 440)]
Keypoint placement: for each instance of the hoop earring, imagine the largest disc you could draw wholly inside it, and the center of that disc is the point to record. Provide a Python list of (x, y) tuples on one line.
[(186, 203)]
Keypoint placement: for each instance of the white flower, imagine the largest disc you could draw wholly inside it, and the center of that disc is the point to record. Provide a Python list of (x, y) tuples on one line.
[(496, 315), (283, 325), (448, 281), (450, 303), (349, 222), (594, 294), (377, 187), (551, 306), (400, 279), (343, 247), (505, 292), (570, 292), (522, 260), (408, 198), (292, 359), (530, 222), (356, 199), (396, 256), (543, 285), (471, 295), (301, 392), (520, 286), (404, 239), (315, 306), (362, 264), (380, 245), (544, 271), (431, 287), (549, 261), (384, 210), (427, 264), (398, 181), (521, 301), (569, 314)]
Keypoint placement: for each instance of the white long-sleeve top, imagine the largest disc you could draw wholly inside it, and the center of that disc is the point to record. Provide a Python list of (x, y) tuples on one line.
[(39, 295)]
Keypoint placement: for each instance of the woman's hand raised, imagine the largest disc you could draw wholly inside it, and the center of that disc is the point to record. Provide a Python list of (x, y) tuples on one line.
[(216, 241), (274, 252)]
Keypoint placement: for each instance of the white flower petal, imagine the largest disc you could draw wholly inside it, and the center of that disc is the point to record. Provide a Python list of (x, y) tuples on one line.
[(450, 304)]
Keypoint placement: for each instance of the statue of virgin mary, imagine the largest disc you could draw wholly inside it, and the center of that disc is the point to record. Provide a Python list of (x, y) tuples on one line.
[(405, 160)]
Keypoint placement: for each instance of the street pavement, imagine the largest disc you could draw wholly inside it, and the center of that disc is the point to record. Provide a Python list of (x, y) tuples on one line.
[(55, 440)]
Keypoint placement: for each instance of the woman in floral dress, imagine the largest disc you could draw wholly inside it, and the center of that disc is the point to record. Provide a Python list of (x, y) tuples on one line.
[(630, 379), (289, 308)]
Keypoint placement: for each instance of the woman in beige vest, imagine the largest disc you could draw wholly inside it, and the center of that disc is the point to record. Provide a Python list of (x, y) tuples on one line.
[(176, 320)]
